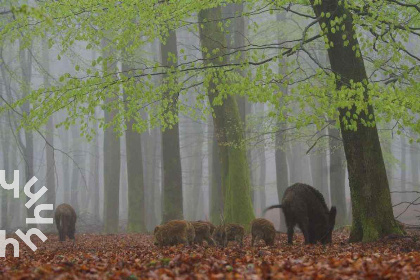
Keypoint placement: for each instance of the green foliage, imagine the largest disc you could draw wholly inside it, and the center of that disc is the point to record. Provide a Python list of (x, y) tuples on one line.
[(383, 28)]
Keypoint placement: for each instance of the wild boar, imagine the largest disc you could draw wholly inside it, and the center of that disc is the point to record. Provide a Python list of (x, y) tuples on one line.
[(305, 206), (262, 229), (173, 233), (65, 220), (212, 227), (202, 233), (229, 232)]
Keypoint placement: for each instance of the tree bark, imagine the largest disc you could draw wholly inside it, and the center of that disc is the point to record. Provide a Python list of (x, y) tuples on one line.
[(51, 171), (414, 163), (337, 176), (229, 131), (28, 148), (172, 170), (75, 179), (112, 166), (403, 166), (136, 207), (371, 201), (216, 198)]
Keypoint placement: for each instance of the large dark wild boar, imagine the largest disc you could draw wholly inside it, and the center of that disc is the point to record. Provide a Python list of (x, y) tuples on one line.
[(202, 233), (229, 232), (305, 206), (212, 227), (65, 220), (263, 229), (173, 233)]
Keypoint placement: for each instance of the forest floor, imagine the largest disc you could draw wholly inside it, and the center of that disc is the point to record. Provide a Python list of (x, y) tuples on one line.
[(133, 256)]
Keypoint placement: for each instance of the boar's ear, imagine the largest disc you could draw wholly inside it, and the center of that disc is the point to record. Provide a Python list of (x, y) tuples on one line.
[(331, 218)]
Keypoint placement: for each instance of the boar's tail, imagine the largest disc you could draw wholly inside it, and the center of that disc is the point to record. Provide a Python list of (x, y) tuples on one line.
[(272, 207)]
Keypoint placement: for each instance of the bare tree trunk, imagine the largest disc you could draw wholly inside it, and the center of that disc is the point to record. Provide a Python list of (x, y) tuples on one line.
[(136, 207), (94, 178), (28, 148), (282, 173), (216, 199), (75, 179), (112, 167), (337, 176), (172, 170), (415, 164), (9, 173), (51, 170), (66, 166), (403, 166)]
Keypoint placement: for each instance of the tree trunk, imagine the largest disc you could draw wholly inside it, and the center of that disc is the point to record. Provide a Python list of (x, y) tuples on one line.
[(414, 162), (112, 166), (94, 178), (337, 176), (75, 179), (136, 207), (319, 173), (51, 171), (371, 200), (229, 132), (172, 171), (8, 173), (25, 59), (403, 166), (66, 166), (216, 199), (280, 156)]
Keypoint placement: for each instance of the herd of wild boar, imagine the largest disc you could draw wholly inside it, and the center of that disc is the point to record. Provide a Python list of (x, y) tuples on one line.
[(302, 205)]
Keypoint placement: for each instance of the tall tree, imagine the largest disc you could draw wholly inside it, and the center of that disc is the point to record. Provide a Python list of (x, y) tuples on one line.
[(112, 160), (282, 173), (51, 171), (415, 164), (136, 206), (337, 175), (171, 155), (216, 199), (403, 166), (75, 171), (25, 59), (229, 132), (371, 200)]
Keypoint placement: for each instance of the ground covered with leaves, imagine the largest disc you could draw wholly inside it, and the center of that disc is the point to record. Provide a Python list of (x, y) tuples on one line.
[(133, 256)]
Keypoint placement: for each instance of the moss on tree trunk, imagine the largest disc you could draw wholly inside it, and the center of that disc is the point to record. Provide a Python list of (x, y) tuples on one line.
[(228, 128)]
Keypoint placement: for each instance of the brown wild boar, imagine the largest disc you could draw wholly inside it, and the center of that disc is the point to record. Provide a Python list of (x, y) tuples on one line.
[(304, 206), (202, 233), (212, 227), (262, 229), (229, 232), (65, 220), (173, 233)]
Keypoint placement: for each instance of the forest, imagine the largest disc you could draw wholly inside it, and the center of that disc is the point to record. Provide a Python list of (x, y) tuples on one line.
[(253, 139)]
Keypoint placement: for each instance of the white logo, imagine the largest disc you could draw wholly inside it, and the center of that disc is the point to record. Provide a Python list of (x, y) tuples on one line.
[(37, 219)]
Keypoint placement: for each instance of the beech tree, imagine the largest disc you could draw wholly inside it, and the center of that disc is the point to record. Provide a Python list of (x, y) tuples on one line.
[(342, 94)]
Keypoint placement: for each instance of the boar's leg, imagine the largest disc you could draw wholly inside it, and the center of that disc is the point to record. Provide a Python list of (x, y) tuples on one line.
[(62, 235), (70, 232), (304, 226), (290, 233)]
